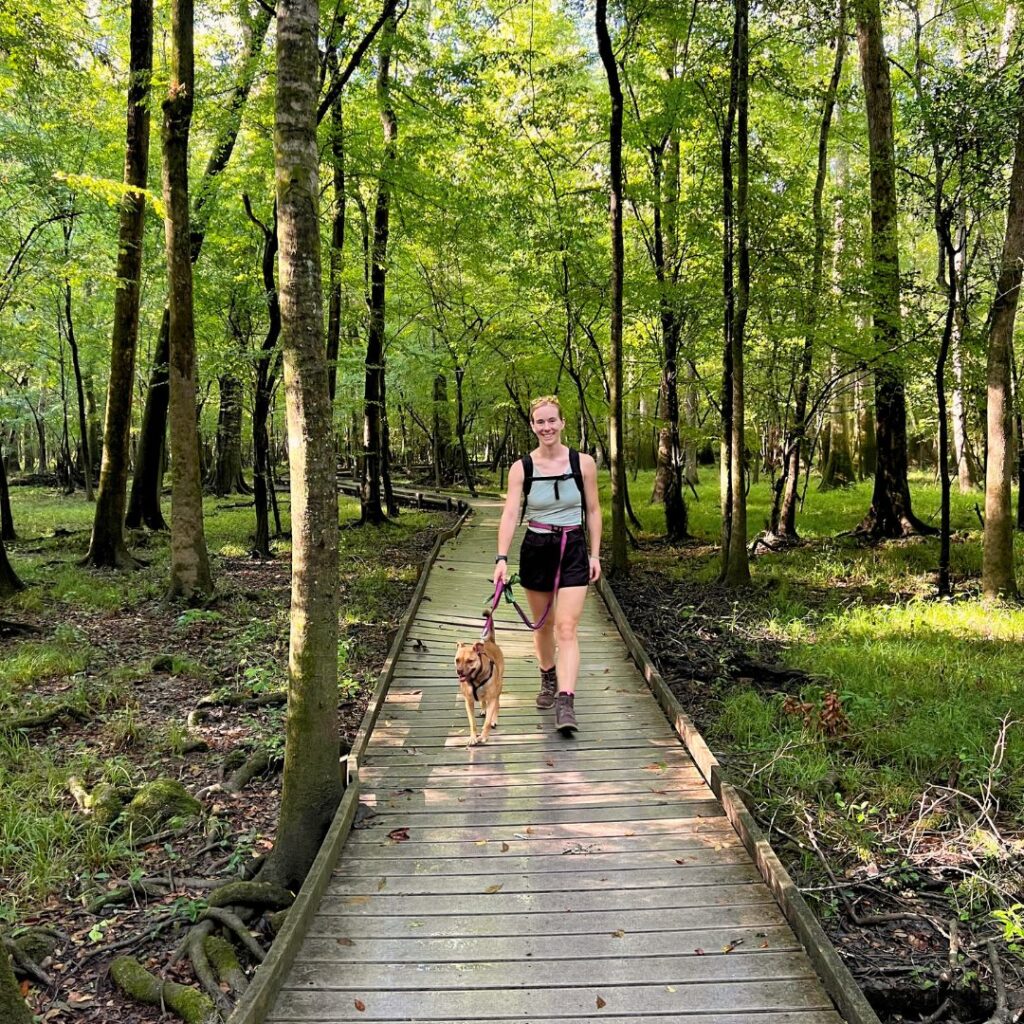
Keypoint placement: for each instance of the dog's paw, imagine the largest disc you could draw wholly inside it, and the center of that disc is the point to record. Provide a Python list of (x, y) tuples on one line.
[(474, 741)]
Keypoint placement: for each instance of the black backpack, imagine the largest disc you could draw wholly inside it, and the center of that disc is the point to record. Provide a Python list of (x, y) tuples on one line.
[(575, 473)]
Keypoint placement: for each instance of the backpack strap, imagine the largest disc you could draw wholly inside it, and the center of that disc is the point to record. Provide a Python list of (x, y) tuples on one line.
[(577, 475), (527, 461)]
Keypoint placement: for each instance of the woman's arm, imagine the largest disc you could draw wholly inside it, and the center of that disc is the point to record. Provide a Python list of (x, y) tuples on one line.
[(509, 516), (589, 468)]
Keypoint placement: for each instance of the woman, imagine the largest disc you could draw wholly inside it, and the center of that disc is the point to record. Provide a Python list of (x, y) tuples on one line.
[(554, 564)]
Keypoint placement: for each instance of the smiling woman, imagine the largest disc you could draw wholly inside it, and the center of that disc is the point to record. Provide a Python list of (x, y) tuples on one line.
[(552, 486)]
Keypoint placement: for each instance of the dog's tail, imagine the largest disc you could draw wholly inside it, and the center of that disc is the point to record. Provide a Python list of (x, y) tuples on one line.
[(488, 624)]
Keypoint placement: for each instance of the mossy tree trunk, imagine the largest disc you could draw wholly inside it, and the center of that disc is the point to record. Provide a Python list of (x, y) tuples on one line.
[(7, 531), (190, 566), (13, 1009), (313, 784), (107, 546)]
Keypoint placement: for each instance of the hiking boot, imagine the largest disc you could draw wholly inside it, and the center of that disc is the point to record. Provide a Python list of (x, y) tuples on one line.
[(548, 688), (565, 714)]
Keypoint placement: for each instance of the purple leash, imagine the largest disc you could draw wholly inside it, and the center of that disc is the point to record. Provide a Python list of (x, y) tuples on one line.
[(506, 588)]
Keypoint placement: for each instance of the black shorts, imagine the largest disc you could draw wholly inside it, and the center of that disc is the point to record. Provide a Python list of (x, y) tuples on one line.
[(538, 561)]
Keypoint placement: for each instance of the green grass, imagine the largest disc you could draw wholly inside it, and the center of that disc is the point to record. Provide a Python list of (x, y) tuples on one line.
[(925, 683)]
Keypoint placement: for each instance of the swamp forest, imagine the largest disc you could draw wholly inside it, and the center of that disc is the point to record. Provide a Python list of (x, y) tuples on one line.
[(277, 287)]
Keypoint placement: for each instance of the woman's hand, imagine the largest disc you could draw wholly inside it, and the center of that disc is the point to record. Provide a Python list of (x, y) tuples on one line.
[(500, 572), (595, 568)]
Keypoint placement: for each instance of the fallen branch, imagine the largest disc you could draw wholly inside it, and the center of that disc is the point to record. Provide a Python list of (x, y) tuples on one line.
[(1001, 1014), (196, 939), (25, 965), (256, 764)]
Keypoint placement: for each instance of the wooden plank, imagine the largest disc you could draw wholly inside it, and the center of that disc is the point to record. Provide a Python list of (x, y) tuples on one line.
[(755, 915), (509, 796), (376, 780), (553, 974), (567, 901), (616, 944), (552, 816), (414, 807), (511, 864), (582, 832), (472, 883), (527, 1004), (574, 751)]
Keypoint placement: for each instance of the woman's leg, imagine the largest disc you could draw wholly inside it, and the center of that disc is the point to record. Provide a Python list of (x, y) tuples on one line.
[(567, 612), (543, 638)]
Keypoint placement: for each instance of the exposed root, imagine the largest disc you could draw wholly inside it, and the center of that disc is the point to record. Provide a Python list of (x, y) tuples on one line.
[(25, 965), (191, 1005), (233, 922), (221, 954), (259, 895), (54, 713), (256, 764)]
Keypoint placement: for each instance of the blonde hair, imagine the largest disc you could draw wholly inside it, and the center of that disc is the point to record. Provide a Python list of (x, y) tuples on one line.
[(546, 400)]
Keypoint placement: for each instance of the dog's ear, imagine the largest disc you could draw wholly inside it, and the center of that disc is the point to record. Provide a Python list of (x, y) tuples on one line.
[(478, 647)]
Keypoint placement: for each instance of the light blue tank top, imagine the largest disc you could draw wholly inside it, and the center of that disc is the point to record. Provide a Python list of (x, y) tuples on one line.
[(563, 509)]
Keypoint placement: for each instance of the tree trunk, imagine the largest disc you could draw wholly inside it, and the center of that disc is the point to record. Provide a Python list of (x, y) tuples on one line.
[(442, 434), (190, 567), (890, 514), (7, 531), (144, 505), (107, 546), (797, 440), (337, 246), (313, 784), (370, 495), (95, 437), (616, 446), (737, 569), (967, 470), (948, 254), (83, 423), (227, 476), (998, 578), (267, 369), (13, 1008)]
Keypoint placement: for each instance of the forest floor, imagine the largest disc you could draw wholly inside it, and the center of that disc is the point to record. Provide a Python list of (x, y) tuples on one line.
[(875, 731), (124, 671)]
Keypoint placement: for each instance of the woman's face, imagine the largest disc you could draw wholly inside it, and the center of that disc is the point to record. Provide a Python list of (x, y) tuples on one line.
[(547, 423)]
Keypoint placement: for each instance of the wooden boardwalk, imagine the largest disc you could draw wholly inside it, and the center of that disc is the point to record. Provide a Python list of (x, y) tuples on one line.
[(542, 879)]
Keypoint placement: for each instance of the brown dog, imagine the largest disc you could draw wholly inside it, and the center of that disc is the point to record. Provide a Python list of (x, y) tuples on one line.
[(481, 671)]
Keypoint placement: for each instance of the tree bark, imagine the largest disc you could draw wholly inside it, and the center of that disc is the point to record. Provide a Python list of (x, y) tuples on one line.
[(372, 510), (797, 440), (190, 566), (313, 783), (337, 246), (998, 578), (890, 514), (7, 531), (949, 254), (616, 445), (227, 476), (967, 470), (69, 329), (144, 504), (107, 547), (13, 1008)]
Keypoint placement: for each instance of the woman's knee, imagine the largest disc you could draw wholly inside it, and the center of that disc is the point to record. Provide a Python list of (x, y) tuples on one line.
[(565, 631)]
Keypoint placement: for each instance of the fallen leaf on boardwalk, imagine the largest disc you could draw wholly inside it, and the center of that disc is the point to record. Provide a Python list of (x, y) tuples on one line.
[(659, 792), (480, 842), (669, 988), (731, 945), (764, 945), (399, 835), (653, 767), (518, 835), (382, 884), (357, 899), (505, 847), (699, 951), (549, 763), (529, 830), (680, 860), (601, 1004), (360, 1005), (345, 941), (493, 888), (618, 933)]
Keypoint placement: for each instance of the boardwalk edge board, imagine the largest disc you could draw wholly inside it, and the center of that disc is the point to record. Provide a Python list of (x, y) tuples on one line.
[(259, 997), (834, 974)]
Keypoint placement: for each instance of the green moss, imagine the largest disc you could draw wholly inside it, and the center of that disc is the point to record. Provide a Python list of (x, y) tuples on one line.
[(157, 802)]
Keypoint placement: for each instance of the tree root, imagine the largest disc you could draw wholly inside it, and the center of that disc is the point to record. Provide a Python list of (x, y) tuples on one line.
[(37, 719), (256, 764), (245, 700), (1001, 1015), (13, 1009), (221, 954), (25, 965), (259, 895), (191, 1005), (233, 922), (196, 945)]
